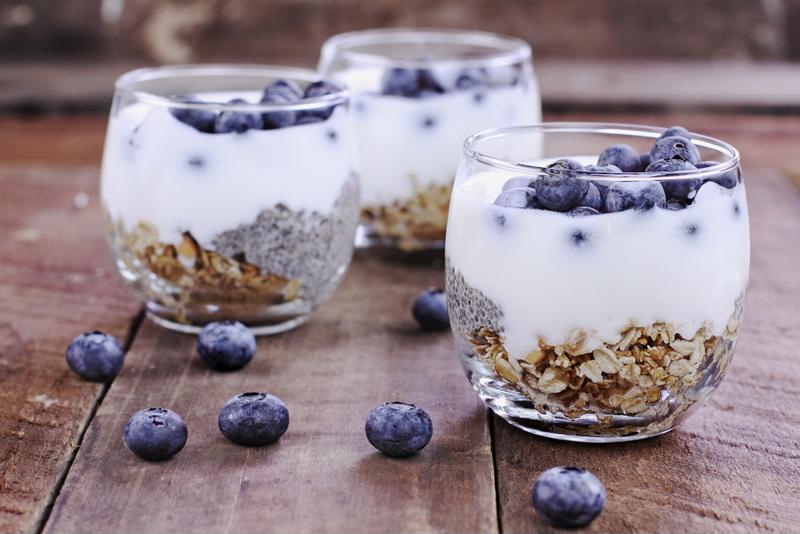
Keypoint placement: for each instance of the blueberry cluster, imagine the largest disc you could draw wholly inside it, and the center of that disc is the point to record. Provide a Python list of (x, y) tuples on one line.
[(421, 83), (279, 92), (563, 187)]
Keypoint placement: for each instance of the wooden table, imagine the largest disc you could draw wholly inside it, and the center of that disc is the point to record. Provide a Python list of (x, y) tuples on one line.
[(733, 467)]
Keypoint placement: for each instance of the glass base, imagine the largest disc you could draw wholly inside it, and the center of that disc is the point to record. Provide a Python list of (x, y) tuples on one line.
[(264, 325), (505, 401)]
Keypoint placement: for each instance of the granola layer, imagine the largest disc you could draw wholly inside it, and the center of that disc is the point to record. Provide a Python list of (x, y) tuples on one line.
[(281, 257), (423, 217), (584, 375)]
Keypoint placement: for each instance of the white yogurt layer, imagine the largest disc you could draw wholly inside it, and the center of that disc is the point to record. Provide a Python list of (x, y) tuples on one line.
[(408, 143), (162, 171), (621, 268)]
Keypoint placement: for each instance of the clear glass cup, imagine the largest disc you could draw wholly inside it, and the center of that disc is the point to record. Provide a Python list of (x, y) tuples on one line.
[(224, 204), (417, 94), (594, 325)]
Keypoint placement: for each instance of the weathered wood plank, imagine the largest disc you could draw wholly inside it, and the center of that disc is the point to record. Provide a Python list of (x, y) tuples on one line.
[(735, 465), (56, 281), (360, 349)]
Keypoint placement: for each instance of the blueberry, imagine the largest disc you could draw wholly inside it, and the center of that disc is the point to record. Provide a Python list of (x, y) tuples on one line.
[(400, 82), (517, 181), (564, 166), (676, 131), (253, 419), (621, 156), (198, 119), (675, 205), (238, 121), (568, 497), (278, 118), (398, 429), (603, 169), (675, 148), (95, 356), (582, 210), (644, 161), (593, 199), (602, 185), (727, 179), (226, 345), (305, 118), (410, 83), (317, 90), (677, 188), (427, 82), (643, 196), (561, 189), (430, 310), (155, 434), (471, 79), (286, 88), (520, 197)]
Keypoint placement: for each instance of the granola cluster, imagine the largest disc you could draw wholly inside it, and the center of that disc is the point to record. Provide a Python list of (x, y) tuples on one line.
[(585, 375), (423, 217), (204, 275)]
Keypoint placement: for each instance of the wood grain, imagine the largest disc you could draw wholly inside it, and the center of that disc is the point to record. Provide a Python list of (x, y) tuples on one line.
[(734, 466), (729, 469), (56, 281), (361, 349)]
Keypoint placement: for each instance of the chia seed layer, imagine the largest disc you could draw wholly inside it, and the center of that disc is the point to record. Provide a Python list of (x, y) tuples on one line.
[(470, 309), (307, 246)]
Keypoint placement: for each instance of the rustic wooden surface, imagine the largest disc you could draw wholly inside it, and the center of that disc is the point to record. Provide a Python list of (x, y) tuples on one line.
[(56, 281), (733, 467)]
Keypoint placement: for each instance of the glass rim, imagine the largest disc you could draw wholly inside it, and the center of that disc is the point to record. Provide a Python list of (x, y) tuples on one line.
[(125, 85), (515, 51), (653, 132)]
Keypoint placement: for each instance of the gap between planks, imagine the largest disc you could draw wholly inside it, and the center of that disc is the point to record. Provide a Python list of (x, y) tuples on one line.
[(133, 329)]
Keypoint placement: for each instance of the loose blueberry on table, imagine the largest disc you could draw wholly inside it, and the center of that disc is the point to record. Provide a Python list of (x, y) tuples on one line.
[(430, 310), (398, 429), (568, 497), (95, 356), (253, 419), (155, 434), (226, 345)]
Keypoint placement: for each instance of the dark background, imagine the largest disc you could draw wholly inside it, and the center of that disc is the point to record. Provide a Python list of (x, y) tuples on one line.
[(62, 56)]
